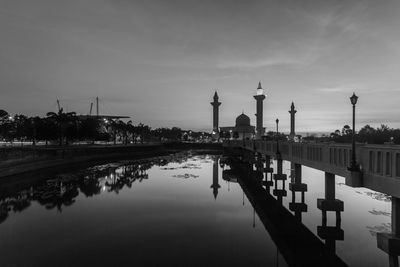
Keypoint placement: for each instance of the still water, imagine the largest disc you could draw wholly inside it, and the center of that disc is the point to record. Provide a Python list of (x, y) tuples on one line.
[(178, 210)]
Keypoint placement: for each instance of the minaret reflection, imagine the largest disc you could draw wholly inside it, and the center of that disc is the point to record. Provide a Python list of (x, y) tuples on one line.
[(279, 176), (390, 242), (330, 233), (296, 185), (215, 185)]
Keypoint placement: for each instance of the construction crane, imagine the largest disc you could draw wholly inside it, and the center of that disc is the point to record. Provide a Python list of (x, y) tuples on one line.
[(58, 104), (104, 117)]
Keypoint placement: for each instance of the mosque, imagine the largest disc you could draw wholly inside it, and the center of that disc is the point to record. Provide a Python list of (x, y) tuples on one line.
[(242, 129)]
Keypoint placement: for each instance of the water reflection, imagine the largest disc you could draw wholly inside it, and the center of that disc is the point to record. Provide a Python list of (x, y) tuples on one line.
[(389, 242), (62, 190), (296, 186), (280, 181), (285, 211), (215, 185), (297, 244), (330, 204)]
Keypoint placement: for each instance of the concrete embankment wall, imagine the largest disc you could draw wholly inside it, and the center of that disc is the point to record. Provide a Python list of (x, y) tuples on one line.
[(19, 160)]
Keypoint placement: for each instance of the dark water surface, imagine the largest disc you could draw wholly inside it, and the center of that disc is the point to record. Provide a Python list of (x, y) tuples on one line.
[(168, 211)]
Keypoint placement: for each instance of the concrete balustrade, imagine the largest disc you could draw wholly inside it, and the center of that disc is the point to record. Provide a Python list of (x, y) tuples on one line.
[(380, 164)]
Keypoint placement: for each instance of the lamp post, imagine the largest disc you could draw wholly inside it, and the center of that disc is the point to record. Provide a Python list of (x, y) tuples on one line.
[(277, 136), (353, 164), (277, 122)]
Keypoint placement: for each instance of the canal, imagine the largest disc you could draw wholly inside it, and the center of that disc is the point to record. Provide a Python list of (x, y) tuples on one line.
[(185, 209)]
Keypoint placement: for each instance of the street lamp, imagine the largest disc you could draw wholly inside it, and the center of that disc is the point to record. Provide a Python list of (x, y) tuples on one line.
[(277, 136), (353, 164)]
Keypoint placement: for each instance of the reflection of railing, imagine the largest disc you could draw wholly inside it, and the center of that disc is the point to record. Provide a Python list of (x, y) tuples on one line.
[(380, 164), (297, 244)]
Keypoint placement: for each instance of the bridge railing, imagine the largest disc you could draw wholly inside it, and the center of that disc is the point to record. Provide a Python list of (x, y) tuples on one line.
[(381, 160)]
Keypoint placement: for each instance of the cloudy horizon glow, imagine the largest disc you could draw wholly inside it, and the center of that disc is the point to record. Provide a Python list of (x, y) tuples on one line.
[(160, 61)]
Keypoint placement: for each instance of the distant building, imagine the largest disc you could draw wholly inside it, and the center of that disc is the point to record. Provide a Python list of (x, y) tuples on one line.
[(242, 129)]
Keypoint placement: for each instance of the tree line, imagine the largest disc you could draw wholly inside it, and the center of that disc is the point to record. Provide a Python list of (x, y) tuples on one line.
[(65, 128), (367, 134)]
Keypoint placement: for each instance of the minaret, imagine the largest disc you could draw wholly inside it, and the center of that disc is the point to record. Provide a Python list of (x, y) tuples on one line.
[(259, 107), (215, 105), (292, 111), (215, 186)]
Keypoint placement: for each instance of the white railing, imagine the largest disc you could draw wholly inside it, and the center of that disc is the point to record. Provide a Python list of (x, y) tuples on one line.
[(381, 160)]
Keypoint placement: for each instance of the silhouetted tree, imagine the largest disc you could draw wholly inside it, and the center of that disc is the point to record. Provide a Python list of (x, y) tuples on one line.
[(63, 120)]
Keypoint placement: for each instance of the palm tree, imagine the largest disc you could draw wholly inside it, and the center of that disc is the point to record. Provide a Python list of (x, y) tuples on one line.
[(63, 119)]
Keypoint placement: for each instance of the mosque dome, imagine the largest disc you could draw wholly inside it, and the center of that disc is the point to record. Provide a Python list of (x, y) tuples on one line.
[(242, 120)]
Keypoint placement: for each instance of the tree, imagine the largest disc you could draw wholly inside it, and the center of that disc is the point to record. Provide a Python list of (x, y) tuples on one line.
[(63, 120), (346, 130), (89, 129), (6, 125), (3, 116)]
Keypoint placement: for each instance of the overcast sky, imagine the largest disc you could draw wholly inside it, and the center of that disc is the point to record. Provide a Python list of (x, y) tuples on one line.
[(160, 61)]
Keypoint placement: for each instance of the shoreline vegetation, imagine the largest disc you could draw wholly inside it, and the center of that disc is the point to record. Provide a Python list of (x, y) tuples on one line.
[(67, 128)]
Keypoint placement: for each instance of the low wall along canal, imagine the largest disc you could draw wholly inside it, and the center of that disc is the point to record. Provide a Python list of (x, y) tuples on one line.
[(19, 160)]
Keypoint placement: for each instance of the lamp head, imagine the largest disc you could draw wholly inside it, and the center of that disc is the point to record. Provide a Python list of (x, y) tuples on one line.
[(353, 99)]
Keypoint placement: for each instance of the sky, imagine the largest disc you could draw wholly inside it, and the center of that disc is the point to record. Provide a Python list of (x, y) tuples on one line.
[(160, 62)]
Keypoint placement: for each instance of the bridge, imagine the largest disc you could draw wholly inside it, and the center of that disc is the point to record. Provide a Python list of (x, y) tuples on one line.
[(379, 171), (376, 167), (379, 164)]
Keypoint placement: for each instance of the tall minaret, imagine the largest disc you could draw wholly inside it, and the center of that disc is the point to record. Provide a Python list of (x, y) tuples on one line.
[(292, 111), (215, 105), (259, 115)]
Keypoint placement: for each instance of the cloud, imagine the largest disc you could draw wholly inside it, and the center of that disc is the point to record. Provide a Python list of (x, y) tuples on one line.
[(347, 87), (262, 63), (332, 89)]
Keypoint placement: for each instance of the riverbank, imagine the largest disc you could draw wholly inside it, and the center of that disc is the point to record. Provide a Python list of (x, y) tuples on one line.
[(22, 160)]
